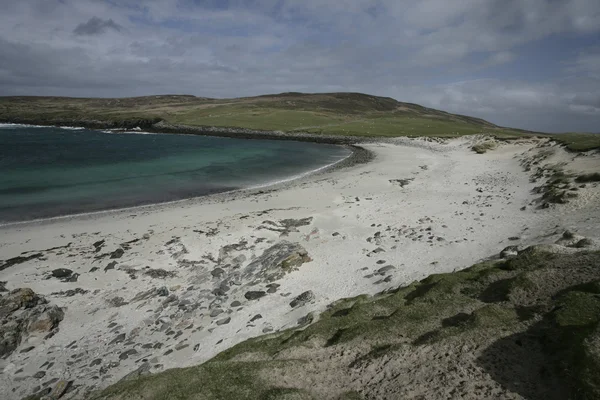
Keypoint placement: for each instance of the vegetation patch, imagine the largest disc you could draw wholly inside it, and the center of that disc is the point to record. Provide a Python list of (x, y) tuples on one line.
[(483, 147)]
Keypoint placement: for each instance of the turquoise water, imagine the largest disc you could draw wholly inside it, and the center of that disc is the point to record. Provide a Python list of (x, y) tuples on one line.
[(48, 172)]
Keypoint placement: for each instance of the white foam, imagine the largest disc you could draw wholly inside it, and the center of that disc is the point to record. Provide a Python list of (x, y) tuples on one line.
[(12, 126)]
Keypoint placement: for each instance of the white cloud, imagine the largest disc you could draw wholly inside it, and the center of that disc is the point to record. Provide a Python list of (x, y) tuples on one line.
[(386, 47)]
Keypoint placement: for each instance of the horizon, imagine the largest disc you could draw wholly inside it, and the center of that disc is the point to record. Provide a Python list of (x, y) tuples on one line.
[(531, 65)]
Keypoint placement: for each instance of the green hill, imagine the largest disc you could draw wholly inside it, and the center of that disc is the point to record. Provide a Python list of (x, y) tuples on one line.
[(352, 114), (343, 114)]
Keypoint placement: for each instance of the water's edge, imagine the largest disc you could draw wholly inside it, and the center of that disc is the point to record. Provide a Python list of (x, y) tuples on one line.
[(358, 155), (161, 126)]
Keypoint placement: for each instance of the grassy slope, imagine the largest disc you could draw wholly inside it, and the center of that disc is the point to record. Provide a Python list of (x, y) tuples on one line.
[(348, 114), (549, 298), (334, 113)]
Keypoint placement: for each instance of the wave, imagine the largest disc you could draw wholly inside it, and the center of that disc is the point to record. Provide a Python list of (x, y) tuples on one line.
[(12, 126)]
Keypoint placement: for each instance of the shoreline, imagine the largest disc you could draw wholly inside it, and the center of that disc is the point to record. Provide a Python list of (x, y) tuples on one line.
[(358, 155), (173, 286), (160, 126)]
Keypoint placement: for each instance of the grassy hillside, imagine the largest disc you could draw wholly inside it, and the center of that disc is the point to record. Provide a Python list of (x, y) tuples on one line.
[(529, 325), (333, 113), (346, 114)]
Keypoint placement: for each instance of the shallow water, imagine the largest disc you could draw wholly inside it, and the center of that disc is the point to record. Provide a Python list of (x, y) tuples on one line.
[(48, 172)]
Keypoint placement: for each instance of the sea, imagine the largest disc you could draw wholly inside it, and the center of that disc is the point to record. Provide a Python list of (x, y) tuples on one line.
[(48, 172)]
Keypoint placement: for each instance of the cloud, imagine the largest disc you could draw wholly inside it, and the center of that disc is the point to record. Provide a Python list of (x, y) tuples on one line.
[(96, 26), (515, 62)]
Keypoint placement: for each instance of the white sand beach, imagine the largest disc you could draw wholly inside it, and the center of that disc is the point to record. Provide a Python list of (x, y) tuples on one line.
[(172, 285)]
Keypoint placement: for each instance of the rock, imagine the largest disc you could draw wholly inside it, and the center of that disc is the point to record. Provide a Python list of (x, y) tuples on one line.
[(39, 375), (118, 253), (307, 319), (116, 301), (125, 355), (224, 321), (27, 349), (3, 286), (98, 245), (47, 320), (23, 313), (159, 273), (256, 317), (146, 295), (513, 238), (70, 292), (235, 304), (276, 261), (216, 312), (267, 329), (172, 298), (510, 251), (97, 361), (19, 260), (585, 242), (61, 273), (302, 299), (72, 278), (119, 339), (568, 235), (402, 182), (162, 291), (181, 346), (383, 270), (110, 265), (94, 269), (217, 272), (254, 294)]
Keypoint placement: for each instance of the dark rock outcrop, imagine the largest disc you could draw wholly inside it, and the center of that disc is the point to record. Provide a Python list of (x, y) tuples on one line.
[(24, 313), (276, 261), (302, 299)]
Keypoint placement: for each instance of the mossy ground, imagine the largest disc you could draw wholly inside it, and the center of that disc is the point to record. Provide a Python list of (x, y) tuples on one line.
[(491, 300)]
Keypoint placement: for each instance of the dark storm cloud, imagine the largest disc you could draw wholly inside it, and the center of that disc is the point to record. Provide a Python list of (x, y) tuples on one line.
[(96, 26)]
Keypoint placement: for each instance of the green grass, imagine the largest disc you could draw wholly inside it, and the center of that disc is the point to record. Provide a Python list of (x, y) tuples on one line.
[(579, 141)]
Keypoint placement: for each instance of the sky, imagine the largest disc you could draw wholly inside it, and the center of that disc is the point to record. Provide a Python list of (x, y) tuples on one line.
[(531, 64)]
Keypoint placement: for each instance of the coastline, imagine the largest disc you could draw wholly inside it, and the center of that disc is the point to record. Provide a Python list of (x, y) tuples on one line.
[(171, 286), (358, 155), (159, 126)]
